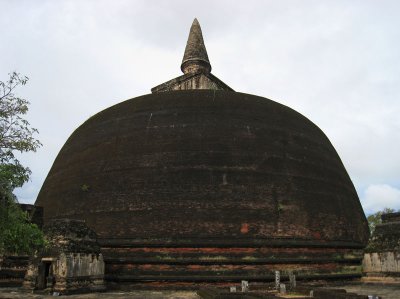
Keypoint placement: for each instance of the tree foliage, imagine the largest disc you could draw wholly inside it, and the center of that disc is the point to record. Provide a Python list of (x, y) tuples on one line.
[(17, 234), (16, 135)]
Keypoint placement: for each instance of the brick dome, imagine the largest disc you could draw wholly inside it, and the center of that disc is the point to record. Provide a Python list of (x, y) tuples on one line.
[(204, 166), (196, 182)]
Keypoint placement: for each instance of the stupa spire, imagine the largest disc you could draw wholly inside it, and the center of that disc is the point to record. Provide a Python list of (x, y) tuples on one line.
[(195, 58), (195, 66)]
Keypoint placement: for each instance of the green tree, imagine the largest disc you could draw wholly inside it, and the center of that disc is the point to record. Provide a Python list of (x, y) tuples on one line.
[(17, 234)]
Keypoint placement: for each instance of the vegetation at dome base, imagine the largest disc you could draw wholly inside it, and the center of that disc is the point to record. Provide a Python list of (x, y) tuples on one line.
[(17, 234)]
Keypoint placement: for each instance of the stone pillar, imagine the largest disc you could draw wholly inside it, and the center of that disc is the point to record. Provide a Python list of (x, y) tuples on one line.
[(292, 280), (245, 285), (277, 280)]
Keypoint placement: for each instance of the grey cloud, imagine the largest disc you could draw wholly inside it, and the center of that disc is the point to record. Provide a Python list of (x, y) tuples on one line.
[(333, 61)]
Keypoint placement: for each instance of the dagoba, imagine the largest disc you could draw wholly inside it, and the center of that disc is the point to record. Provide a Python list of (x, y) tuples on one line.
[(196, 182)]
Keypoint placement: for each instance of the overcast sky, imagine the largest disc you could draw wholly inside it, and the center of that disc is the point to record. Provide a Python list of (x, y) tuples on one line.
[(336, 62)]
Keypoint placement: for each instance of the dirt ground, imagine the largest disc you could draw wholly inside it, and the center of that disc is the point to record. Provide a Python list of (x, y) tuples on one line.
[(384, 291), (15, 293), (381, 290)]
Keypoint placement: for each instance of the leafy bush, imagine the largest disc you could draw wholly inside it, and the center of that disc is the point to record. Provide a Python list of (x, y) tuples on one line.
[(17, 235)]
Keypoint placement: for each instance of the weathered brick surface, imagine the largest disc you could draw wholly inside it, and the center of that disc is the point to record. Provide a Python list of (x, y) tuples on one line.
[(207, 169), (70, 263), (228, 264), (381, 261), (197, 165), (12, 270)]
